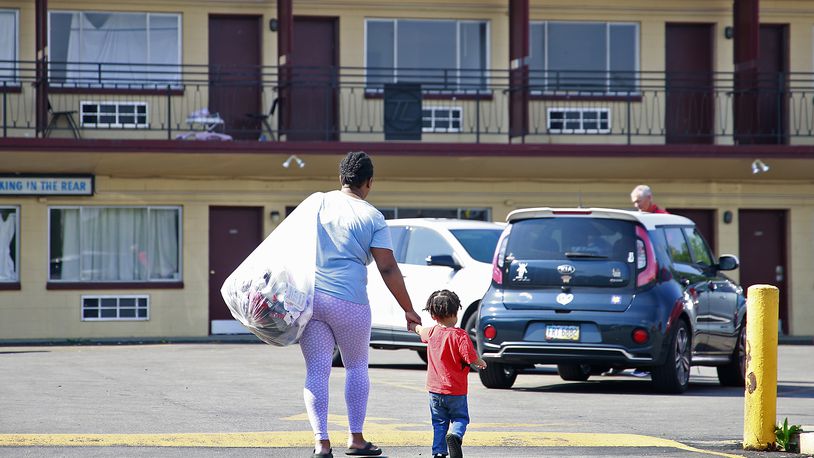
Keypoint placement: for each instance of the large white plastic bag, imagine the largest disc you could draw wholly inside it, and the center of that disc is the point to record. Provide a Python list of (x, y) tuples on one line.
[(272, 291)]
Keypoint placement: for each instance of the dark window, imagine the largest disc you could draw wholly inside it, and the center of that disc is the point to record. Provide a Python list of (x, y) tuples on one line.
[(568, 238), (425, 242), (479, 243), (397, 234), (677, 245), (700, 251)]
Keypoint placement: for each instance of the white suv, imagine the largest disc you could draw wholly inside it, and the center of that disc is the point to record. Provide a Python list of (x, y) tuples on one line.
[(432, 254)]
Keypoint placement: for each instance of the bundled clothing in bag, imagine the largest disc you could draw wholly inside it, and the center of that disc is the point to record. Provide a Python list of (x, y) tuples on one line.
[(272, 291)]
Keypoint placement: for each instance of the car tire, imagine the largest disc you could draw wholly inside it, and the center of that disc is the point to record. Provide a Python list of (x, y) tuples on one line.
[(499, 376), (469, 326), (574, 372), (734, 372), (674, 375), (423, 355), (336, 359)]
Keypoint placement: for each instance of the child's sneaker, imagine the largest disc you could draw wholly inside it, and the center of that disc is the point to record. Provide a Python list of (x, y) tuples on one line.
[(454, 446)]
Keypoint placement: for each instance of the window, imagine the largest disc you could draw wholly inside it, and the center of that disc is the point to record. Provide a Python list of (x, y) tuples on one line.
[(113, 114), (8, 46), (425, 242), (479, 214), (593, 57), (115, 244), (441, 119), (677, 245), (128, 50), (698, 247), (9, 244), (397, 235), (439, 54), (578, 120), (115, 308)]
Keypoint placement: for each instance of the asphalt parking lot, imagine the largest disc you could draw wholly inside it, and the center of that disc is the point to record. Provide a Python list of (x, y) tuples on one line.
[(243, 399)]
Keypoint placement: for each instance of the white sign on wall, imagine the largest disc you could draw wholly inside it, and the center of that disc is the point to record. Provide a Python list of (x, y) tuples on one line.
[(46, 185)]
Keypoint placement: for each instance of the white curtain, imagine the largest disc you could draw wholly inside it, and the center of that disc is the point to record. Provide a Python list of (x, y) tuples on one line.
[(69, 258), (163, 251), (124, 42), (8, 227), (8, 44), (114, 242)]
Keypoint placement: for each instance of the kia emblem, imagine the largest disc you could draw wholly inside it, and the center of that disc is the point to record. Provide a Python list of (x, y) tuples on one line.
[(566, 269)]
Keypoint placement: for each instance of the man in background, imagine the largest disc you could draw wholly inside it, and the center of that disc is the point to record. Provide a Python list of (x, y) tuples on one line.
[(642, 198)]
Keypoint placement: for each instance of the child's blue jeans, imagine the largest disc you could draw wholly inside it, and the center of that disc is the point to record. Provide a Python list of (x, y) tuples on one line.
[(449, 414)]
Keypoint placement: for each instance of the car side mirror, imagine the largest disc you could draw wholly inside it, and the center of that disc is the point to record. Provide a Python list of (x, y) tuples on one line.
[(728, 262), (443, 260)]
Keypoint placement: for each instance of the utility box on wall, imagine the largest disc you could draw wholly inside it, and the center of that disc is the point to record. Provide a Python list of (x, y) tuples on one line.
[(402, 111)]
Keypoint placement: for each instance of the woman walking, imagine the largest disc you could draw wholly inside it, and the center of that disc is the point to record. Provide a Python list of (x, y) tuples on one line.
[(351, 233)]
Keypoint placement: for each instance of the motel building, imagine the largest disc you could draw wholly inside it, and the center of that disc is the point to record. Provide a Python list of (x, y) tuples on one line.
[(147, 147)]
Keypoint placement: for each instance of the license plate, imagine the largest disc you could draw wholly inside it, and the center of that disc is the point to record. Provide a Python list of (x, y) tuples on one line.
[(557, 332)]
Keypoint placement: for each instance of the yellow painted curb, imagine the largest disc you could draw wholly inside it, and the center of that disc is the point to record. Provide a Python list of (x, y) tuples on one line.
[(289, 439)]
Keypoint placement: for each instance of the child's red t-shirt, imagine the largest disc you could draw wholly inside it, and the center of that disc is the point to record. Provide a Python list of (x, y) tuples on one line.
[(449, 354)]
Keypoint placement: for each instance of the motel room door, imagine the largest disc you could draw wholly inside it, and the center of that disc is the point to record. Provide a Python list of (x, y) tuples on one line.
[(689, 108), (762, 253), (234, 232), (234, 73), (310, 111)]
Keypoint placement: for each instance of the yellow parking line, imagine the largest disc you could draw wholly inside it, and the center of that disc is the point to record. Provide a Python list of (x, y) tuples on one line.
[(306, 439)]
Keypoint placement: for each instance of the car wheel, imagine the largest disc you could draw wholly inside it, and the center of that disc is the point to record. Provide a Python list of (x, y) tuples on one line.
[(336, 360), (734, 372), (423, 355), (674, 375), (469, 326), (498, 376), (574, 372)]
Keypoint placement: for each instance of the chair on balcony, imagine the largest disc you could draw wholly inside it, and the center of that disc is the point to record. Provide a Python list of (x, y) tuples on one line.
[(264, 118), (54, 119)]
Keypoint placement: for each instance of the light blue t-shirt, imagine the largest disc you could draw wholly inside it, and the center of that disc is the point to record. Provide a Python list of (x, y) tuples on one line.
[(348, 228)]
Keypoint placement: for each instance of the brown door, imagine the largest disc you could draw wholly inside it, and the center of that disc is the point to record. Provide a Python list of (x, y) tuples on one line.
[(234, 73), (762, 251), (772, 74), (689, 110), (234, 232), (310, 94), (704, 221)]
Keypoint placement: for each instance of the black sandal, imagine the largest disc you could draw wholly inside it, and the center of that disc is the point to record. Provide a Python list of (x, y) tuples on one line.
[(324, 455), (367, 450)]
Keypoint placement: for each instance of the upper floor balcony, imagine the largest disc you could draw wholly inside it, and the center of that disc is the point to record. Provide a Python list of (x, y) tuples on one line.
[(354, 104)]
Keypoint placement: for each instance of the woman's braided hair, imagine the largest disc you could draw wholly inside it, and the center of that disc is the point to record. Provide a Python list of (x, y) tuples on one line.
[(355, 169), (443, 303)]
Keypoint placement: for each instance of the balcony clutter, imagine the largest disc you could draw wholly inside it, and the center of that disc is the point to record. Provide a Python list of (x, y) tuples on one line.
[(204, 125)]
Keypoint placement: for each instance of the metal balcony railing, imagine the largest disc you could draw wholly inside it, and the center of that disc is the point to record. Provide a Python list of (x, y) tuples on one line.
[(150, 101)]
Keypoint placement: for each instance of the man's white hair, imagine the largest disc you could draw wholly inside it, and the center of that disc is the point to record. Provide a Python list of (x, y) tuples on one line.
[(642, 190)]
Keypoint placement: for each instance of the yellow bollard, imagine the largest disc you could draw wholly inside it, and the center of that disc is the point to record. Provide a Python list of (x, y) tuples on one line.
[(760, 403)]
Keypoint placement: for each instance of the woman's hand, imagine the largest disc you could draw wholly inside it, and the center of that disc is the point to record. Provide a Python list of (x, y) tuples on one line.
[(412, 317)]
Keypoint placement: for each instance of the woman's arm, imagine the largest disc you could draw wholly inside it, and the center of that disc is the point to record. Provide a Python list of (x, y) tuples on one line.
[(391, 274)]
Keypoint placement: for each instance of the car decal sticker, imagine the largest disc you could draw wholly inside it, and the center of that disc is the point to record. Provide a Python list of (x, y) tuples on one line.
[(630, 256), (616, 300), (522, 270), (564, 298)]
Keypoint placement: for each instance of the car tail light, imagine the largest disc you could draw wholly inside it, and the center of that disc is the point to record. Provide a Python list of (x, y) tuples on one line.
[(500, 256), (640, 336), (645, 258), (489, 332)]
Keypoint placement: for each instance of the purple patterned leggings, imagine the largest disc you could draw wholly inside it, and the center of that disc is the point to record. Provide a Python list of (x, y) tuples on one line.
[(346, 324)]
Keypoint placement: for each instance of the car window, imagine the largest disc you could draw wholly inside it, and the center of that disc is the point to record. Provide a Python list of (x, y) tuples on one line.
[(398, 235), (698, 247), (425, 242), (677, 245), (567, 238), (479, 243)]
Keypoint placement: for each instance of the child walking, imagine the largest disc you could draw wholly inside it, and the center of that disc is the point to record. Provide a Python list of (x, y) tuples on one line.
[(449, 354)]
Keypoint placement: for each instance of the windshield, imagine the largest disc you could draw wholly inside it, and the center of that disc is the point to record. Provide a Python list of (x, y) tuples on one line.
[(479, 243), (572, 238)]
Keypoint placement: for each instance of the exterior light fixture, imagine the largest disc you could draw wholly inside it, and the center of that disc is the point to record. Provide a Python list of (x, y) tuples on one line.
[(293, 158), (759, 167)]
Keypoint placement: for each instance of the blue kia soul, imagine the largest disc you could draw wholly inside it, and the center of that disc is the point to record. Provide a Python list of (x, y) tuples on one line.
[(592, 290)]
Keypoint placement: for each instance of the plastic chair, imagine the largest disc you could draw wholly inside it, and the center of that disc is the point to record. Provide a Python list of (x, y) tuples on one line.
[(55, 115), (264, 118)]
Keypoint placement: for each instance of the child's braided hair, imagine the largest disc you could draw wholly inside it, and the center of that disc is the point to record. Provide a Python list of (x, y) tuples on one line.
[(443, 303)]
